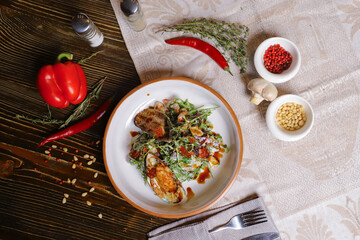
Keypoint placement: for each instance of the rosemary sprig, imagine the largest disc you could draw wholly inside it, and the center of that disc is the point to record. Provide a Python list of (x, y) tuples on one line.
[(83, 60), (45, 121), (231, 37), (81, 109)]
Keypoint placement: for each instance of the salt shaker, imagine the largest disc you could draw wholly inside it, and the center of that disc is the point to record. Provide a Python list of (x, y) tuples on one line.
[(134, 14), (87, 30)]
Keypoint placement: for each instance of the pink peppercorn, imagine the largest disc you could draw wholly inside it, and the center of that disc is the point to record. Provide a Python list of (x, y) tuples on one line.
[(277, 59)]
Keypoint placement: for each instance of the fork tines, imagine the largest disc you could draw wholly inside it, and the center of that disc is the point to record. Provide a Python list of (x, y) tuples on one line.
[(253, 217)]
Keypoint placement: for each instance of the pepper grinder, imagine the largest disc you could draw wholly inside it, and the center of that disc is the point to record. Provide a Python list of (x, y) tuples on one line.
[(87, 30), (134, 14)]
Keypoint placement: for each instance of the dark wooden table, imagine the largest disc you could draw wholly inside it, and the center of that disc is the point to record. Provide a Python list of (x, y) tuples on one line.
[(32, 183)]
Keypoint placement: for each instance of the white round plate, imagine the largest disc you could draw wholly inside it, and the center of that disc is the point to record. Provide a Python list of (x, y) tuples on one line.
[(285, 75), (280, 132), (128, 180)]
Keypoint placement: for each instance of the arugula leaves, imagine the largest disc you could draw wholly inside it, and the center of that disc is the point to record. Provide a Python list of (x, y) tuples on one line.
[(181, 154)]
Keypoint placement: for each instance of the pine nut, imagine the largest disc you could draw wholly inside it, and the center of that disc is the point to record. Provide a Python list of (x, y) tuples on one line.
[(291, 116), (73, 181)]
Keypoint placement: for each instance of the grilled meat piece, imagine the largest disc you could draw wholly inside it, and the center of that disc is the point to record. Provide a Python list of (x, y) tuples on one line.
[(153, 122)]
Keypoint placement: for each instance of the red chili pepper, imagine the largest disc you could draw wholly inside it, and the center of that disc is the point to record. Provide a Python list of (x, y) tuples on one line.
[(203, 47), (80, 126), (62, 83)]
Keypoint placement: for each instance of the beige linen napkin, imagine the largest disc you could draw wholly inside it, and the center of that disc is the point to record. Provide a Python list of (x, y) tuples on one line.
[(197, 227)]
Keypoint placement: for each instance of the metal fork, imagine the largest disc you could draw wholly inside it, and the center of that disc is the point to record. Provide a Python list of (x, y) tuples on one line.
[(243, 220)]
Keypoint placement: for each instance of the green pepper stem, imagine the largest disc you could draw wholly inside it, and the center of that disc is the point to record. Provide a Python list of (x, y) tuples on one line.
[(68, 56)]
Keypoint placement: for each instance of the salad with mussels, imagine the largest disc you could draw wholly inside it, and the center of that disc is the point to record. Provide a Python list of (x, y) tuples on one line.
[(176, 143)]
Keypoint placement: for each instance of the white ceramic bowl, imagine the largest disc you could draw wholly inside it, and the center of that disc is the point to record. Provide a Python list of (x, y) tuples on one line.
[(285, 75), (280, 132), (128, 180)]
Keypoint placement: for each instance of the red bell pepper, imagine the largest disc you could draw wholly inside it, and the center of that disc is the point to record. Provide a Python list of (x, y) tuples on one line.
[(62, 83)]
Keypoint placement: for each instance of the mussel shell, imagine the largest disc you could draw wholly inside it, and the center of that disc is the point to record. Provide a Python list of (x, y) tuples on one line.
[(162, 180)]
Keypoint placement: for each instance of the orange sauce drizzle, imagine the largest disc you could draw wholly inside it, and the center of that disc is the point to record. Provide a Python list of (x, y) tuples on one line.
[(189, 193), (203, 176), (133, 133)]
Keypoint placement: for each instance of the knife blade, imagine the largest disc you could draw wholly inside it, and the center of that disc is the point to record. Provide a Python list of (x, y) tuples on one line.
[(264, 236)]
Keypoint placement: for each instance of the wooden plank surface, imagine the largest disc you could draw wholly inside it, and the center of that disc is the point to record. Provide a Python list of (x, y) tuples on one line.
[(32, 183)]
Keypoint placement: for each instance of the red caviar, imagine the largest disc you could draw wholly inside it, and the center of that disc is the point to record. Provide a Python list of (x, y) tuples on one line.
[(277, 59)]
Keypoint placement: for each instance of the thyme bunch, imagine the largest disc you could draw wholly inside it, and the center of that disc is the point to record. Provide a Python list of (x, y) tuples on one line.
[(231, 37)]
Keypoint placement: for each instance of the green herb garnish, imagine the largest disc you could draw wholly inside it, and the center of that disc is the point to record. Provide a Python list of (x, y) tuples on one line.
[(185, 154)]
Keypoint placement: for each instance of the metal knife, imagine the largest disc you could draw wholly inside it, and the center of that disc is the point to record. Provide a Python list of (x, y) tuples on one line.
[(264, 236)]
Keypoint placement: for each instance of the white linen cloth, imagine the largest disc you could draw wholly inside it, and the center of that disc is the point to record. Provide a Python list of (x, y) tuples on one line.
[(312, 186)]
